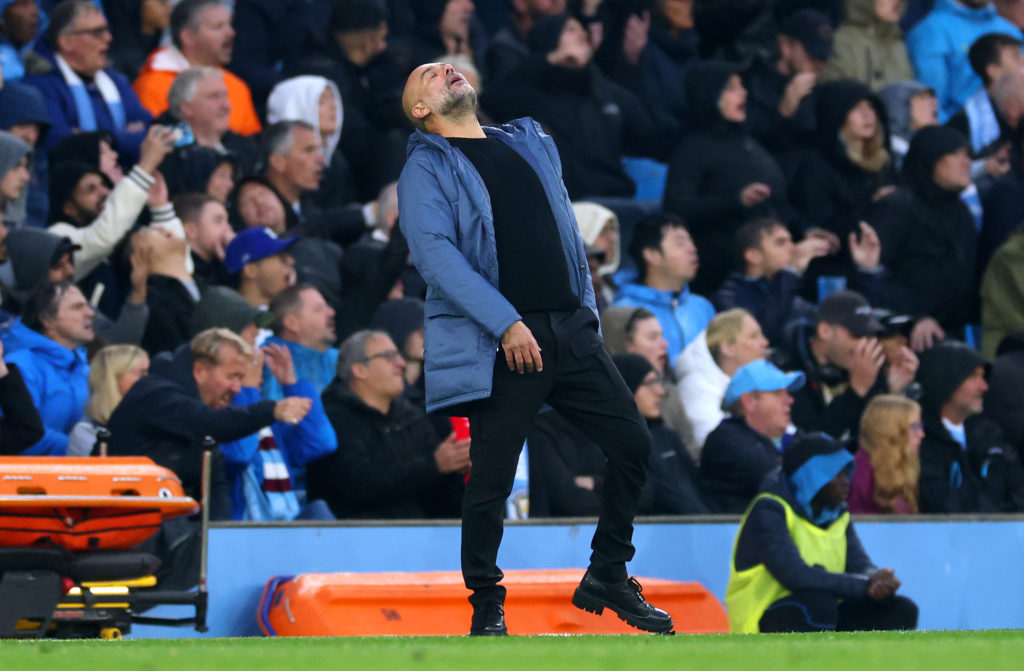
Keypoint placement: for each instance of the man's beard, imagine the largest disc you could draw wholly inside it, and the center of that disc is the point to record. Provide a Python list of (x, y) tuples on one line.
[(459, 104)]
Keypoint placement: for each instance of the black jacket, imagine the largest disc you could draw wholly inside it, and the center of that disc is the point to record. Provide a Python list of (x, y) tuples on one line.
[(384, 466), (558, 452), (170, 314), (733, 463), (673, 481), (20, 426), (162, 417)]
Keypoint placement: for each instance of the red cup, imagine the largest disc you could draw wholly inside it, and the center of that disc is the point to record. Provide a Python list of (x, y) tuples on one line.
[(460, 425)]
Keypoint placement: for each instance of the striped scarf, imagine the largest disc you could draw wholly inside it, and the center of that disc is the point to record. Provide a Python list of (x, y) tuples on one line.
[(273, 499)]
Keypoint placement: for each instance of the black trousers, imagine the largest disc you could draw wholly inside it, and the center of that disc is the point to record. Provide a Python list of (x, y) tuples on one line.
[(811, 610), (581, 382)]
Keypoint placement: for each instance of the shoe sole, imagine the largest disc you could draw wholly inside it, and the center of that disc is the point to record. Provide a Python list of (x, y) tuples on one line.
[(594, 605)]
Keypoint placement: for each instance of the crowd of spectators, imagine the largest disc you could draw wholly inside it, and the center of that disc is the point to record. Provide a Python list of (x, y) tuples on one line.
[(800, 216)]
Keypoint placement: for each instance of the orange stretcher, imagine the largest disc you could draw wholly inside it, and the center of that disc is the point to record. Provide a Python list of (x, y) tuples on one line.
[(86, 503), (434, 604)]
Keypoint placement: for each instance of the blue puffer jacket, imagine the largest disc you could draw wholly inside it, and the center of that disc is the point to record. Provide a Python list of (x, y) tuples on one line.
[(57, 378), (682, 315), (938, 48), (447, 219)]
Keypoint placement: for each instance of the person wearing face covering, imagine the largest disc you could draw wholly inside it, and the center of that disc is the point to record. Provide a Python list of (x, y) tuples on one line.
[(719, 176), (928, 235)]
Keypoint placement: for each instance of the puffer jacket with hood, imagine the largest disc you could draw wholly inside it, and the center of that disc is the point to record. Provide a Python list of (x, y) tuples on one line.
[(58, 380), (984, 476), (709, 170), (868, 49), (928, 237), (701, 386)]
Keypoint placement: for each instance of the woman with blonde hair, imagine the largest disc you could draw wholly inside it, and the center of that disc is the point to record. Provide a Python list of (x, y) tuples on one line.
[(112, 372), (887, 468)]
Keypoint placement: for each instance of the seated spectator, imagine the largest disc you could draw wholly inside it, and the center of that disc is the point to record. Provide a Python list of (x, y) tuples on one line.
[(509, 47), (599, 228), (81, 93), (929, 241), (303, 322), (748, 445), (262, 263), (991, 57), (208, 233), (560, 87), (20, 425), (851, 168), (112, 372), (719, 175), (389, 463), (1004, 402), (442, 28), (868, 46), (95, 214), (773, 269), (1002, 303), (798, 565), (355, 58), (19, 28), (672, 478), (666, 260), (566, 469), (48, 346), (403, 320), (97, 148), (887, 465), (732, 340), (845, 366), (671, 49), (196, 169), (23, 114), (316, 101), (638, 331), (966, 464), (202, 36), (171, 290), (909, 106), (199, 98), (936, 47), (14, 174), (779, 84), (138, 28), (167, 414)]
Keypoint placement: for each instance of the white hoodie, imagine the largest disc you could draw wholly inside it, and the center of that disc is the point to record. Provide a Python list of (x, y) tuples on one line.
[(298, 99), (702, 386)]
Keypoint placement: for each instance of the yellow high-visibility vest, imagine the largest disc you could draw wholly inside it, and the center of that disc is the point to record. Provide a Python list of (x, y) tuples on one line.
[(752, 590)]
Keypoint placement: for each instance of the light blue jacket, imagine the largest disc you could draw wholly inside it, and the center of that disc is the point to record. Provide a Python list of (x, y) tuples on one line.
[(57, 378), (317, 368), (682, 315), (447, 219), (938, 48)]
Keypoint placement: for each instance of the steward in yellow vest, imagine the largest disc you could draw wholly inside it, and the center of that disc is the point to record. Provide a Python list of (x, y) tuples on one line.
[(797, 564)]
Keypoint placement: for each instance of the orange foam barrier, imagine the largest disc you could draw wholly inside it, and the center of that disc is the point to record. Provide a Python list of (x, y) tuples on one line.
[(434, 604)]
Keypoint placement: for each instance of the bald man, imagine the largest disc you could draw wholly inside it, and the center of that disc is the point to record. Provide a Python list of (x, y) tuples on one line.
[(511, 323)]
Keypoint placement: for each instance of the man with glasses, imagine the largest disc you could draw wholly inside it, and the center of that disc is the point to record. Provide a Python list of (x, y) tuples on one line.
[(390, 464), (80, 92)]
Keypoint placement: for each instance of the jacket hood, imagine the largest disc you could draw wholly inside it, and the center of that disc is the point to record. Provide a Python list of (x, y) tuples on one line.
[(927, 148), (644, 294), (400, 319), (12, 150), (833, 102), (613, 328), (545, 34), (862, 13), (32, 252), (20, 337), (20, 103), (943, 369), (705, 82), (696, 357), (808, 464), (82, 147), (592, 219), (896, 98), (298, 99), (188, 169), (176, 367), (64, 177)]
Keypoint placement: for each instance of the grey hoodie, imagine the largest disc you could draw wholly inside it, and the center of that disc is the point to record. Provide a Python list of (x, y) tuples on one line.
[(12, 150)]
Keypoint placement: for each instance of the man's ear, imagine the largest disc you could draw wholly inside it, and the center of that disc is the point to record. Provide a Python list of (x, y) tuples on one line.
[(288, 322), (360, 371), (420, 111), (652, 257), (823, 330), (191, 230), (753, 256), (277, 162)]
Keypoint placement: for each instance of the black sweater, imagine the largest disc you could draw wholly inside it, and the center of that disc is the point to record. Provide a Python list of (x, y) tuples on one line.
[(20, 425)]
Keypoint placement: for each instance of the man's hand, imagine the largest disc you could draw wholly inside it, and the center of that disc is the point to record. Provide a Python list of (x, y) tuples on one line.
[(292, 409), (522, 353), (141, 261), (883, 584), (585, 482), (796, 90), (866, 252), (279, 361), (755, 194), (867, 360), (452, 456), (807, 250), (902, 371), (386, 208), (634, 39), (254, 373), (827, 235), (158, 144), (926, 333), (158, 195)]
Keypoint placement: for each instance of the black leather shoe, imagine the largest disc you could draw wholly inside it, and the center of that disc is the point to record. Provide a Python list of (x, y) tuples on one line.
[(488, 620), (625, 600)]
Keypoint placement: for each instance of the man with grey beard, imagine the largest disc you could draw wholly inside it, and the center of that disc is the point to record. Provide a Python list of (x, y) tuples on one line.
[(491, 230)]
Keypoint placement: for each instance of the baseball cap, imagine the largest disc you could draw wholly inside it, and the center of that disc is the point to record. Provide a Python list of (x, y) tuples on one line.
[(254, 244), (851, 311), (812, 29), (760, 375)]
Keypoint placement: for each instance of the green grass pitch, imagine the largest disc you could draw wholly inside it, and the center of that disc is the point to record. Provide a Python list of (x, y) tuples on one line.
[(928, 651)]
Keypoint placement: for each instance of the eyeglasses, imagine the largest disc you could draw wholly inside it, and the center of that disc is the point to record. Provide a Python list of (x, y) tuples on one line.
[(391, 355), (654, 382), (98, 32)]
